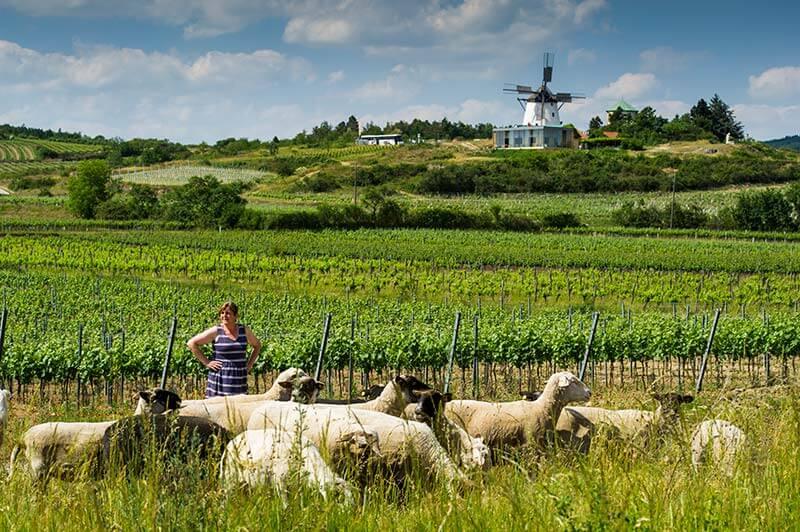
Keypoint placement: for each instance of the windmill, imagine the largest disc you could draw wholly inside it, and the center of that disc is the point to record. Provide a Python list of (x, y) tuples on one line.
[(542, 105)]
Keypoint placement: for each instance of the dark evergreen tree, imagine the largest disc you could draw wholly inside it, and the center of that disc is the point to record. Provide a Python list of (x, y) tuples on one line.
[(723, 120)]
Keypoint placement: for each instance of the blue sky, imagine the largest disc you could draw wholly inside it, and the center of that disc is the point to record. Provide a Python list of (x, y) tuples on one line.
[(194, 70)]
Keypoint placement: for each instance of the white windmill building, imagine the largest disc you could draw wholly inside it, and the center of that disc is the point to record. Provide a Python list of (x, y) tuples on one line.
[(541, 125)]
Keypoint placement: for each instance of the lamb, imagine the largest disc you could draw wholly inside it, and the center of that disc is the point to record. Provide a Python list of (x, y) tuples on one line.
[(4, 397), (257, 457), (628, 424), (399, 441), (519, 423), (60, 448), (717, 441), (468, 452), (281, 390)]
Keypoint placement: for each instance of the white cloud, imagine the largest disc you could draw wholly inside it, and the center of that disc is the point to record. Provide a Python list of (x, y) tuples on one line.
[(628, 85), (127, 92), (336, 76), (766, 122), (587, 8), (581, 55), (782, 82), (318, 31)]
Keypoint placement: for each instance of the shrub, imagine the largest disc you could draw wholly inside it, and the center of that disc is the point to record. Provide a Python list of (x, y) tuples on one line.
[(204, 202), (561, 220), (766, 210)]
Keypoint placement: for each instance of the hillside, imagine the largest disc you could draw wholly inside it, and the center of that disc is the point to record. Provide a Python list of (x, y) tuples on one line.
[(788, 142)]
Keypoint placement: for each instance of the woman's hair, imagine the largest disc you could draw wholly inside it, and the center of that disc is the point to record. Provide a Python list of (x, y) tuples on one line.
[(229, 305)]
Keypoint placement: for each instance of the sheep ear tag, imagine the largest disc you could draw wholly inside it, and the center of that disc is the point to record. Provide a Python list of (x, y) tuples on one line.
[(563, 381)]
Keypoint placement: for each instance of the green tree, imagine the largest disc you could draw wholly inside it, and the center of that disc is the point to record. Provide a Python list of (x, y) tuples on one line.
[(274, 145), (88, 187), (766, 210), (723, 120), (204, 202), (595, 124)]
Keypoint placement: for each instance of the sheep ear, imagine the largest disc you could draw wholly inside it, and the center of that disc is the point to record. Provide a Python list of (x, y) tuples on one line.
[(415, 393), (319, 385), (146, 396), (563, 381), (686, 398), (447, 397), (399, 379), (286, 384)]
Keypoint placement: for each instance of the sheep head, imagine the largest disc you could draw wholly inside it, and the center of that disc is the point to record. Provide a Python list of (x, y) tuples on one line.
[(157, 401), (408, 384), (429, 404), (570, 387), (284, 382), (306, 389)]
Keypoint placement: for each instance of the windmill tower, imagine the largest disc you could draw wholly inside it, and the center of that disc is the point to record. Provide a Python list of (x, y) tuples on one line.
[(542, 105)]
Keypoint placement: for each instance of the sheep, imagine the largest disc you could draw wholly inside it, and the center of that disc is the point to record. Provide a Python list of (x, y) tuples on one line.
[(717, 441), (60, 448), (468, 452), (127, 441), (257, 457), (628, 424), (399, 441), (232, 412), (4, 397), (519, 423), (395, 396), (281, 390)]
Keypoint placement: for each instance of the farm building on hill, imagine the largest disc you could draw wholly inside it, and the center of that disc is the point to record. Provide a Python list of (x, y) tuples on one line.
[(380, 140), (625, 109)]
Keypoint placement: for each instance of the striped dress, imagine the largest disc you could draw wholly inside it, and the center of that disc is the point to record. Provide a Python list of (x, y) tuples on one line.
[(231, 379)]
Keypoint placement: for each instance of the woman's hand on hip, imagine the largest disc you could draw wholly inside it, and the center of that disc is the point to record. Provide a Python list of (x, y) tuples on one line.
[(214, 365)]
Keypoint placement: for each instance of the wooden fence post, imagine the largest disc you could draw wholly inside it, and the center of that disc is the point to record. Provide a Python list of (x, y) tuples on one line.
[(704, 363)]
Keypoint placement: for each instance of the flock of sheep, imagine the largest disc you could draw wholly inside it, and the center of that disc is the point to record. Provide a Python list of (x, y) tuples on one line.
[(408, 426)]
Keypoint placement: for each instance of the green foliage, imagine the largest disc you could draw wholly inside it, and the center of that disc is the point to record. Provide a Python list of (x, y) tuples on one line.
[(31, 182), (767, 210), (204, 202), (87, 188), (561, 220), (138, 203), (639, 214)]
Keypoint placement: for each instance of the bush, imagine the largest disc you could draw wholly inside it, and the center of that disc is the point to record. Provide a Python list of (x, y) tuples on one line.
[(766, 210), (319, 182), (641, 215), (204, 202), (561, 220), (30, 182)]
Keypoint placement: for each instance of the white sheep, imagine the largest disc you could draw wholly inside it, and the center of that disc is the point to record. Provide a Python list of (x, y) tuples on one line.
[(4, 407), (518, 423), (60, 448), (401, 444), (281, 390), (258, 457), (717, 441), (628, 424)]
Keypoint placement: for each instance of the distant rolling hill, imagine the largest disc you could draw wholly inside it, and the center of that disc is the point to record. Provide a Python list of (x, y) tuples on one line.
[(791, 143)]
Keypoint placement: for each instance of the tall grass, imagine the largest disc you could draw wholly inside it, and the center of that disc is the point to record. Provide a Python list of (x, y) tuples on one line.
[(620, 485)]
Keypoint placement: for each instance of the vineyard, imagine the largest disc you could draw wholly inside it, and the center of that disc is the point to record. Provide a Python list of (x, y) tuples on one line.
[(393, 311), (174, 175), (26, 149), (17, 168)]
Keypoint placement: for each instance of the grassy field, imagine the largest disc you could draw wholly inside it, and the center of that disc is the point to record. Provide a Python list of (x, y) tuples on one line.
[(619, 486)]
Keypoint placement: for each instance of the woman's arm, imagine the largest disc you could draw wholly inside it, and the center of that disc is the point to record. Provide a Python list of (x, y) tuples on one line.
[(204, 338), (256, 344)]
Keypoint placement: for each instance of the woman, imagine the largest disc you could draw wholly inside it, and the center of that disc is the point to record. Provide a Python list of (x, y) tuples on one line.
[(230, 366)]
